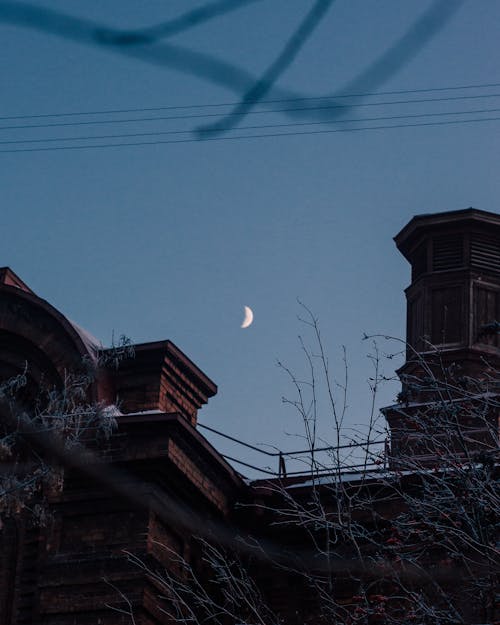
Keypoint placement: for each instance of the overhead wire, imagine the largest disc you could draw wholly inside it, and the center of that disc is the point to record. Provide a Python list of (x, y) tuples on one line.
[(253, 112), (256, 127), (259, 136), (265, 101), (137, 44), (311, 104)]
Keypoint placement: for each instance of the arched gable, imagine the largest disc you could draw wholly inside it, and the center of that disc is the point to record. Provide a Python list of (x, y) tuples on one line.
[(34, 334)]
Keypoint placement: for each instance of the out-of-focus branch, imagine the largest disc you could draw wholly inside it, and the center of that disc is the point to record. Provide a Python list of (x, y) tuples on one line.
[(144, 45), (264, 84)]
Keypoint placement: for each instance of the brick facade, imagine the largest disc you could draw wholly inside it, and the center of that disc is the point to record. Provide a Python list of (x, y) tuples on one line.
[(157, 482)]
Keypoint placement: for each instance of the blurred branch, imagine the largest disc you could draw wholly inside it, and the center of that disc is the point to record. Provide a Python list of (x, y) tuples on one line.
[(284, 60), (143, 45)]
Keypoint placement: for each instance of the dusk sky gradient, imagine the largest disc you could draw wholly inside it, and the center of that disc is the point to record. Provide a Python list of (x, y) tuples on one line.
[(171, 241)]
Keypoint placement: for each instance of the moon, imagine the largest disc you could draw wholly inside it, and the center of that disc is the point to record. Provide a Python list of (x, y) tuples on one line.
[(248, 317)]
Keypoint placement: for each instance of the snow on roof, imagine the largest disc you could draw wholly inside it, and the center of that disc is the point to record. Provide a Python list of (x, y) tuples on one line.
[(112, 410), (439, 402), (139, 413), (383, 474), (92, 344), (344, 477)]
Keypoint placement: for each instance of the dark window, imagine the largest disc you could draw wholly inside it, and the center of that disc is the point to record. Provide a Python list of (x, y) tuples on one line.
[(419, 261), (448, 252), (486, 313), (485, 252), (416, 322), (447, 316)]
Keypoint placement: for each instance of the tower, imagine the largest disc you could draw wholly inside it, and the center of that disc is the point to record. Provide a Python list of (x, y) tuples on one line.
[(453, 333)]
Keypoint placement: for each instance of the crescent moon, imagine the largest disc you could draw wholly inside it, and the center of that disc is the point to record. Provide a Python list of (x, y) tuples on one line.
[(248, 317)]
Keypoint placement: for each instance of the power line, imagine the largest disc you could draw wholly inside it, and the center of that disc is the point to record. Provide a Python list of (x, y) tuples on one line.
[(275, 101), (284, 110), (350, 445), (256, 127), (260, 136), (208, 67)]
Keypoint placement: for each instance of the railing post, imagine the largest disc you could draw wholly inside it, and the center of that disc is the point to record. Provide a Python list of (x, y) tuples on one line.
[(281, 466)]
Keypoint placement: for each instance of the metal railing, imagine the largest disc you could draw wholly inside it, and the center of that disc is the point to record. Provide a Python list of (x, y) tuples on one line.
[(372, 461)]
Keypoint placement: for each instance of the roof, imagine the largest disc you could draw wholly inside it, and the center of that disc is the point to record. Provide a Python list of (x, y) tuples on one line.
[(427, 221), (8, 277), (92, 344)]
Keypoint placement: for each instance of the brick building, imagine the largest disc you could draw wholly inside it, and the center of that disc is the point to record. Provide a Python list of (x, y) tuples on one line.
[(158, 482)]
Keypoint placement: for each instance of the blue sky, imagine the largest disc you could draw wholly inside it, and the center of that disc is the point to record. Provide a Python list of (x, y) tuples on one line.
[(172, 240)]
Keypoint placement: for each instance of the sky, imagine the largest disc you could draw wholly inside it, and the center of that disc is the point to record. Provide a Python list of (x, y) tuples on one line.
[(171, 240)]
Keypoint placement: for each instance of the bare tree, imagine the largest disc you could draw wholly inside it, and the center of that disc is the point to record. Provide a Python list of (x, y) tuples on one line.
[(410, 535), (67, 415), (405, 532)]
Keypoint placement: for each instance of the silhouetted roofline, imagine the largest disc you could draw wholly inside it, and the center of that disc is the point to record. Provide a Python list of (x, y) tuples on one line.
[(167, 348), (405, 237), (10, 278)]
